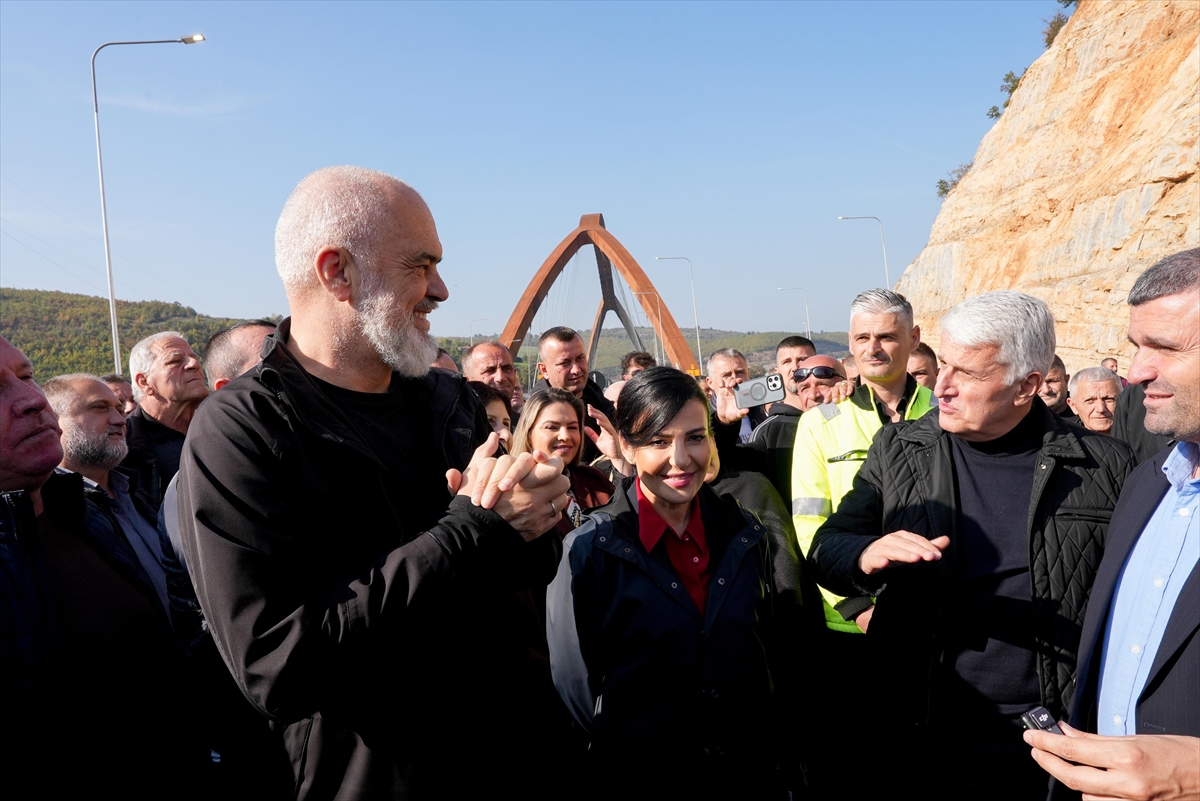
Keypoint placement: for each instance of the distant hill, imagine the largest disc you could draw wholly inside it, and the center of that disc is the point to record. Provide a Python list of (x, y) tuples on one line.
[(65, 333)]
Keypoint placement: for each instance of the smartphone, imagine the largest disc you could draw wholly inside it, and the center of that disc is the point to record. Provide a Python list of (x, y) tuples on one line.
[(758, 391), (1040, 718)]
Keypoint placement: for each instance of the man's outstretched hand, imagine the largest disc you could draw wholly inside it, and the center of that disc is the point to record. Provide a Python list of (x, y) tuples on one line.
[(899, 548)]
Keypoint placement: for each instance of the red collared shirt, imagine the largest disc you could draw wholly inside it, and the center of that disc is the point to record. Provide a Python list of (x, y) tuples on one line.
[(688, 551)]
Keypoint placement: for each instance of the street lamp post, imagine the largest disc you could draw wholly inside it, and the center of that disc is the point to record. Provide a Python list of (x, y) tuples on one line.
[(886, 277), (112, 295), (807, 323), (695, 312), (657, 342), (471, 328)]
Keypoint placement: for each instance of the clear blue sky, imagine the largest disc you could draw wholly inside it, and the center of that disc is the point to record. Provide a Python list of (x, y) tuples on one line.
[(734, 134)]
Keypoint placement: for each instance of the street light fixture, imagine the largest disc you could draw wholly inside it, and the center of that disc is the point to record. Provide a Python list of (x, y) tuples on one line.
[(695, 312), (886, 277), (471, 328), (112, 295), (807, 324)]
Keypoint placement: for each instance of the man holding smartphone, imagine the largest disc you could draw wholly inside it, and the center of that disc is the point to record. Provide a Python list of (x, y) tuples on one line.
[(1138, 687)]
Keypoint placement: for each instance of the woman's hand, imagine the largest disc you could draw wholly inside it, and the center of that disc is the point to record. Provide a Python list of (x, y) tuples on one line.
[(606, 441)]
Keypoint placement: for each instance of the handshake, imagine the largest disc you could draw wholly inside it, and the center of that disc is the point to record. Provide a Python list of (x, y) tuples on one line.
[(529, 491)]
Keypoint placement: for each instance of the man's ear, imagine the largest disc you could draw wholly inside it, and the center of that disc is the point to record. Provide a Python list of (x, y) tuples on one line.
[(141, 383), (337, 272), (1071, 404), (1027, 387), (541, 368), (916, 337)]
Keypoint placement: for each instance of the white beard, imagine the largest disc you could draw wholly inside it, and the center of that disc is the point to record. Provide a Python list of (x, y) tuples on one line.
[(92, 450), (392, 331)]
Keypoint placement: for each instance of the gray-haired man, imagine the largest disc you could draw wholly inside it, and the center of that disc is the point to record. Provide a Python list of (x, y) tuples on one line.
[(350, 535), (168, 386), (1093, 397), (979, 530)]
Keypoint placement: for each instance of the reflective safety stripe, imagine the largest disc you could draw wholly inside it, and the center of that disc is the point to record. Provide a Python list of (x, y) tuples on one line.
[(817, 507), (829, 410)]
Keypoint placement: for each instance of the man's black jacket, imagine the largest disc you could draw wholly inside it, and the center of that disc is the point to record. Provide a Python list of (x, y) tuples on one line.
[(775, 437), (391, 655), (154, 451), (908, 483)]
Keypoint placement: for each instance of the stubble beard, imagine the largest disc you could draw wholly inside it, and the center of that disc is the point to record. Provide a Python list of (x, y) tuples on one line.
[(86, 449), (1181, 419), (392, 331)]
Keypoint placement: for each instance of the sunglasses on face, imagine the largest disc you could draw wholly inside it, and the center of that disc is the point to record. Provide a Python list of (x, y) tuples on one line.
[(821, 371)]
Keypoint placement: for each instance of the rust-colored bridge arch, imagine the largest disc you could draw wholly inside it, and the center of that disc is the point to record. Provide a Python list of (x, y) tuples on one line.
[(609, 253)]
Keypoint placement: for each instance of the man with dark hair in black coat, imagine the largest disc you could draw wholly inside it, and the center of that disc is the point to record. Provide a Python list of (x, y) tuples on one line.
[(1139, 675)]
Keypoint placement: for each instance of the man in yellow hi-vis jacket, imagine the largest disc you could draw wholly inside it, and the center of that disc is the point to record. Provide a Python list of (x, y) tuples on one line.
[(832, 440)]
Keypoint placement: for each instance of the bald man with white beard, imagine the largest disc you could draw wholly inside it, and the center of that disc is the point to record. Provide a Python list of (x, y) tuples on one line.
[(354, 541)]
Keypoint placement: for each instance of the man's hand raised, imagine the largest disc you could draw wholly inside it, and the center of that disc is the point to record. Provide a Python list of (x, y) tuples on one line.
[(899, 548), (727, 409), (529, 491)]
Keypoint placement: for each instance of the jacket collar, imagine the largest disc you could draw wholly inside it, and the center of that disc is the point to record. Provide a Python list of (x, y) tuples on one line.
[(864, 396), (280, 372)]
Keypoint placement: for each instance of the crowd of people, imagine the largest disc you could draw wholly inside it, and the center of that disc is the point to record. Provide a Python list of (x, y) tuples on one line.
[(324, 564)]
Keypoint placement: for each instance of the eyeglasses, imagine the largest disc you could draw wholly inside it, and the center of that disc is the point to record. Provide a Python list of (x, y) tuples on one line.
[(820, 371)]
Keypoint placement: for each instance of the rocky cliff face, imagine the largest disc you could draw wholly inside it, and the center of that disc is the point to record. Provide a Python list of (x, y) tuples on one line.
[(1089, 178)]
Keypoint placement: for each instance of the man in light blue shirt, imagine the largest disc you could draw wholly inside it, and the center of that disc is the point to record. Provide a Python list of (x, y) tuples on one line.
[(1138, 686)]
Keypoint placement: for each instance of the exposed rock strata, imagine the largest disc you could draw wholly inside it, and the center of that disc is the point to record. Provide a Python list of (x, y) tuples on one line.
[(1089, 178)]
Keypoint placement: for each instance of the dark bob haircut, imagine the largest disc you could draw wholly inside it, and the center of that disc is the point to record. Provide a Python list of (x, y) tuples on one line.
[(487, 394), (651, 400)]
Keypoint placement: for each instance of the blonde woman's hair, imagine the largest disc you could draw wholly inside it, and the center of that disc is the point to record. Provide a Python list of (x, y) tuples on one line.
[(535, 404)]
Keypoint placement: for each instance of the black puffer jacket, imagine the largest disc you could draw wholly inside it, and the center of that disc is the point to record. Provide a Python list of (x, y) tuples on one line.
[(908, 483)]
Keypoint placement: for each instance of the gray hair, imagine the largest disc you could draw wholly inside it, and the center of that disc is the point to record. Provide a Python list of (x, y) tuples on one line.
[(142, 358), (344, 207), (1176, 273), (1019, 325), (1092, 374), (468, 358), (723, 353), (883, 301), (60, 390)]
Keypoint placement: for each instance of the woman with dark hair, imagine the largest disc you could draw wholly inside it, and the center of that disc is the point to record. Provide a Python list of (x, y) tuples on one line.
[(666, 619), (552, 422), (498, 409)]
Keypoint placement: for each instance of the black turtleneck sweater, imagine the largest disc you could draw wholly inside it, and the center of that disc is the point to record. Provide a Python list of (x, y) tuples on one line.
[(991, 651)]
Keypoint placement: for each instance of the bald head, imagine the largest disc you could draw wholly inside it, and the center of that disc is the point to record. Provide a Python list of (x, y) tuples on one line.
[(815, 389), (358, 253), (234, 351), (352, 208)]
